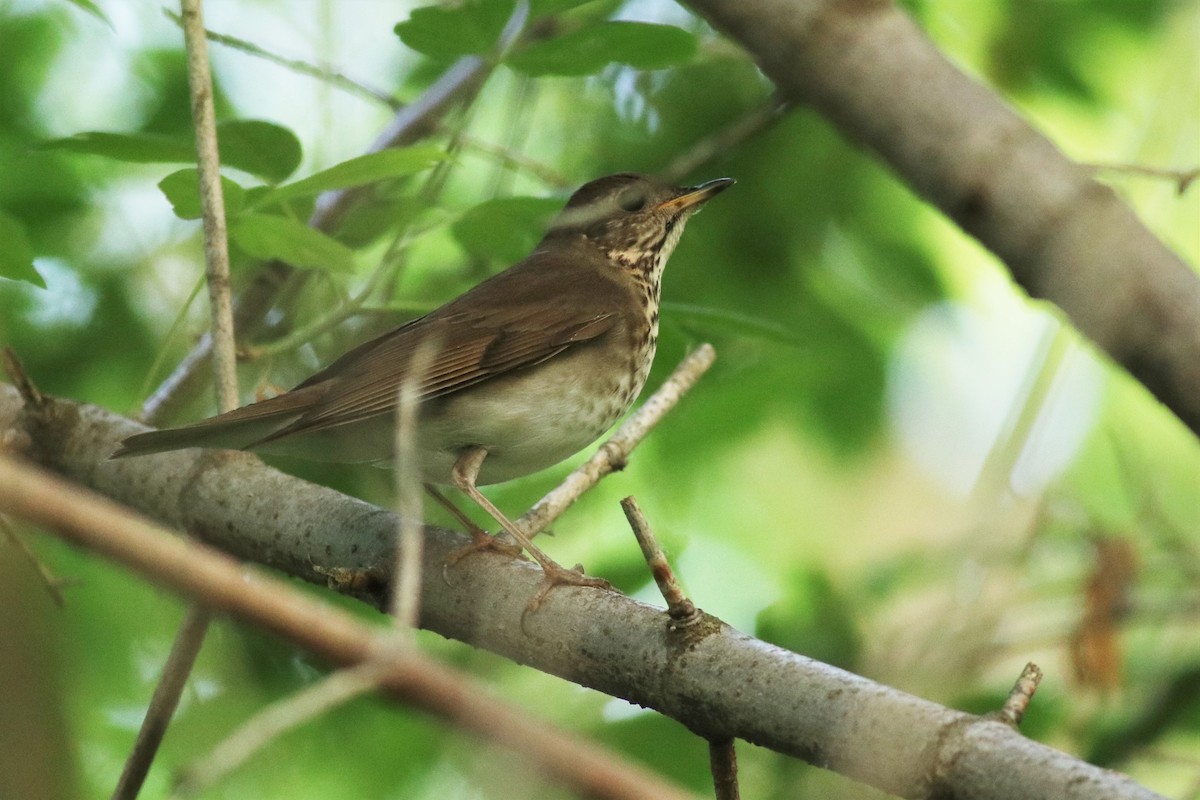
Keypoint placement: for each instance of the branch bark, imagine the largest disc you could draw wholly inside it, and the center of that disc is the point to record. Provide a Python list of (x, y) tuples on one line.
[(215, 580), (718, 682), (1065, 237)]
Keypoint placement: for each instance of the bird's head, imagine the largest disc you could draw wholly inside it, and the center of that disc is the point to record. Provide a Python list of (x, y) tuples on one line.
[(635, 220)]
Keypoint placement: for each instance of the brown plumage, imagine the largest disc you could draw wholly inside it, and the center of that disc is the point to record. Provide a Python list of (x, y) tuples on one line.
[(531, 365)]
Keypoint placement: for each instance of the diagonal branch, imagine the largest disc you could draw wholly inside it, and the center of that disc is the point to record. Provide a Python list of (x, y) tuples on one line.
[(728, 685)]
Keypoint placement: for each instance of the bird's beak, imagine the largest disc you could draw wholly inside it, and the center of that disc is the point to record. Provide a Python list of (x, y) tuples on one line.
[(695, 195)]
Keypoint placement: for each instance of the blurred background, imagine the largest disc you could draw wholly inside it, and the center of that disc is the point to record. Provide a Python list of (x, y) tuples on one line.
[(899, 464)]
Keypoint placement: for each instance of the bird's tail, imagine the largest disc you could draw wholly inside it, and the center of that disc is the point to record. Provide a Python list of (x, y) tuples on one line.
[(239, 429)]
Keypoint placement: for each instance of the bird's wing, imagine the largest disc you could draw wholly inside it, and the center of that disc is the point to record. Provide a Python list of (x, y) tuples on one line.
[(536, 315)]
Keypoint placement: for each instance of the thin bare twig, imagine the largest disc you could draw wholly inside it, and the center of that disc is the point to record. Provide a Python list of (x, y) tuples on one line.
[(164, 701), (722, 760), (507, 155), (30, 394), (613, 454), (330, 76), (52, 582), (745, 127), (680, 609), (92, 521), (1183, 178), (1018, 698), (276, 719)]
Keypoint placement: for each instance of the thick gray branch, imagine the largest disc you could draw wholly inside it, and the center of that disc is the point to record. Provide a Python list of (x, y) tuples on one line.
[(1066, 238), (717, 681)]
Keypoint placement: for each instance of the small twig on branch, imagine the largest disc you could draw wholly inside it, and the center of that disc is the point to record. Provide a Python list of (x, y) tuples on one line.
[(30, 394), (613, 453), (1018, 699), (1183, 178), (722, 755), (722, 760), (680, 609), (92, 521)]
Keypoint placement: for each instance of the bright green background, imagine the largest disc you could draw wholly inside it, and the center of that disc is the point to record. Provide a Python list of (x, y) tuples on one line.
[(898, 465)]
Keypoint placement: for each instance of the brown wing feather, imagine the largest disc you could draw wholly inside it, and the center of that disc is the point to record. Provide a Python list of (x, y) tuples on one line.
[(537, 318)]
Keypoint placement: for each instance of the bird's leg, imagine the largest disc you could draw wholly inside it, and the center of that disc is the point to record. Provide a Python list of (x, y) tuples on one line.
[(464, 473), (482, 538)]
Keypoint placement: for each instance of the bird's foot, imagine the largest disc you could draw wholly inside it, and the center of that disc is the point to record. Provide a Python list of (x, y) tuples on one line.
[(557, 575), (481, 540)]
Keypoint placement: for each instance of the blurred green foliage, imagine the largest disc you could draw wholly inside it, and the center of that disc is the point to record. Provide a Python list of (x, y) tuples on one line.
[(786, 483)]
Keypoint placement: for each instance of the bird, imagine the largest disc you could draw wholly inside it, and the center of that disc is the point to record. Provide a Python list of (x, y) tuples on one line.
[(524, 369)]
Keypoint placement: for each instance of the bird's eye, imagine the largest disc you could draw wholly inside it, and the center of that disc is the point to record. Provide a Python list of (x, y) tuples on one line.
[(632, 200)]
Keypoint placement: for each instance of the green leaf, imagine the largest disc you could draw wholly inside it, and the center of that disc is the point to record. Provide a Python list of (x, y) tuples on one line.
[(182, 189), (267, 237), (505, 229), (16, 253), (261, 148), (139, 148), (470, 29), (642, 45), (392, 163)]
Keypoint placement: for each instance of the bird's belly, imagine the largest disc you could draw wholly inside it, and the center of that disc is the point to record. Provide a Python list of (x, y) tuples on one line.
[(530, 419)]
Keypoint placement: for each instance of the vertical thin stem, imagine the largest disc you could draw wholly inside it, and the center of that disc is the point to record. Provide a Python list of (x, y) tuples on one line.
[(191, 633), (406, 578), (212, 205), (164, 702), (722, 759)]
